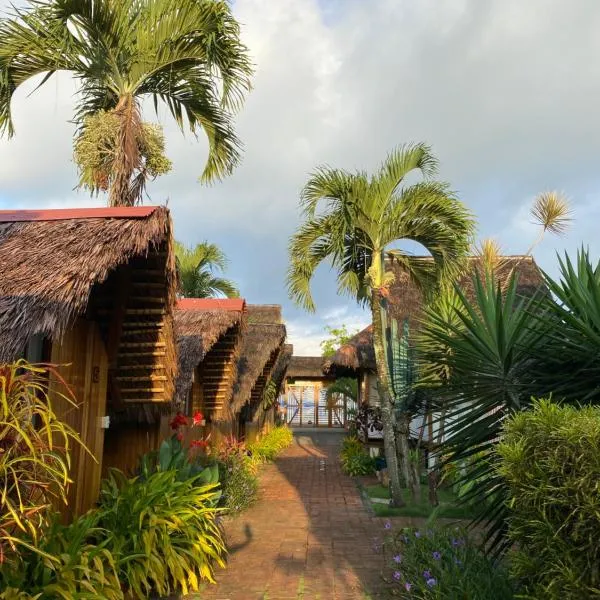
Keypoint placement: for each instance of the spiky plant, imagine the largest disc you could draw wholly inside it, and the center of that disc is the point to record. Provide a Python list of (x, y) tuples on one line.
[(185, 55)]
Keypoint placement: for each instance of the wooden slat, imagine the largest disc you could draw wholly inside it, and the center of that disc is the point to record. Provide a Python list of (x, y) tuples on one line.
[(143, 378), (144, 400), (150, 299), (143, 324), (149, 366), (137, 311), (143, 390), (142, 345), (140, 354)]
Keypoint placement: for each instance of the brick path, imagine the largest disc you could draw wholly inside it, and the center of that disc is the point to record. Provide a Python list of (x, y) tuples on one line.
[(309, 536)]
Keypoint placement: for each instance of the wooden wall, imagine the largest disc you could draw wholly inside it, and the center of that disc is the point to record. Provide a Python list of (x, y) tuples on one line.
[(83, 363)]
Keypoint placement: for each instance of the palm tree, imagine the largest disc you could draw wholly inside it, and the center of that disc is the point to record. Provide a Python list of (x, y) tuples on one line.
[(363, 218), (197, 267), (186, 55)]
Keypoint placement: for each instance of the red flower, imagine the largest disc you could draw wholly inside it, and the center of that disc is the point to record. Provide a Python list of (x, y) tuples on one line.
[(198, 418), (199, 444), (178, 421), (180, 436)]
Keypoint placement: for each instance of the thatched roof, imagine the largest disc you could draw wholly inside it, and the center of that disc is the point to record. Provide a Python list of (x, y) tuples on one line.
[(282, 366), (51, 261), (306, 367), (261, 343), (199, 323), (406, 302)]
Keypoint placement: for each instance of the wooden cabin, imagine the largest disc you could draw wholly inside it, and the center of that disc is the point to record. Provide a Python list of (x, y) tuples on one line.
[(209, 334), (260, 371), (356, 358), (93, 291), (304, 398)]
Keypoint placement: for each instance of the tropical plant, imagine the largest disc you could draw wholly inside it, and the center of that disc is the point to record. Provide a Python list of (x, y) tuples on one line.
[(163, 530), (239, 481), (355, 460), (197, 267), (343, 386), (67, 561), (364, 217), (438, 563), (272, 443), (35, 448), (338, 336), (185, 55), (550, 459)]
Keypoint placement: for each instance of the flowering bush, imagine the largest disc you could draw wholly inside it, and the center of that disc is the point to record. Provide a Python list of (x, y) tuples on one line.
[(442, 563)]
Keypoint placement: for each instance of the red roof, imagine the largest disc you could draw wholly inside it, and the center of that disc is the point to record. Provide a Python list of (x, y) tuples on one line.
[(64, 214), (234, 304)]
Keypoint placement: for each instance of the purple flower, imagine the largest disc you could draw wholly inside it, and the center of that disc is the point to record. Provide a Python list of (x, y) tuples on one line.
[(437, 555), (417, 534), (405, 539), (431, 581), (427, 574), (398, 558), (387, 525), (459, 542), (407, 586), (397, 575)]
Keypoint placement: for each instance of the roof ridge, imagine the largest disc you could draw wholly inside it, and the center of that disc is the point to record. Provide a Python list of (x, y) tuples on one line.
[(67, 214)]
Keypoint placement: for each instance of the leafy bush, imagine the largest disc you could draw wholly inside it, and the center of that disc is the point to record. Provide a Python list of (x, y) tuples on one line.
[(550, 458), (271, 444), (34, 452), (442, 563), (65, 562), (240, 484), (355, 459), (163, 531)]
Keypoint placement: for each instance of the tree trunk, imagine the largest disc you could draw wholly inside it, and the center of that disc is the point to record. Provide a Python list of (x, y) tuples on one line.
[(403, 435), (432, 478), (387, 408)]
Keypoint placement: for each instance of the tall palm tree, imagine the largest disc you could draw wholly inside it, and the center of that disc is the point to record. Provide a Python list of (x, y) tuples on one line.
[(363, 217), (197, 267), (186, 55)]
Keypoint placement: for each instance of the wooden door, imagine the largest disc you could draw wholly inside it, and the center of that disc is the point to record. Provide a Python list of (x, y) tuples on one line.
[(83, 362)]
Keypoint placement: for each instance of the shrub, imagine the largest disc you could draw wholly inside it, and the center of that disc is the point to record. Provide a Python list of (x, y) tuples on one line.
[(163, 531), (354, 458), (240, 484), (34, 453), (442, 563), (550, 459), (65, 562), (272, 443)]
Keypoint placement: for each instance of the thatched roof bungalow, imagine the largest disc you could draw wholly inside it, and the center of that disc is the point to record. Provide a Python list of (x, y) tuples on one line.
[(92, 290), (357, 357), (262, 343), (209, 334)]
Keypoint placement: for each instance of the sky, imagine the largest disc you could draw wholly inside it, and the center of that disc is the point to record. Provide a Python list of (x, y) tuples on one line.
[(506, 92)]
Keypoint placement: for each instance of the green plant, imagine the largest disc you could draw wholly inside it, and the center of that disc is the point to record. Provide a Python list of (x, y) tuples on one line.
[(272, 443), (338, 336), (197, 267), (354, 458), (67, 562), (172, 455), (34, 452), (187, 55), (163, 531), (363, 218), (239, 481), (550, 459), (438, 563)]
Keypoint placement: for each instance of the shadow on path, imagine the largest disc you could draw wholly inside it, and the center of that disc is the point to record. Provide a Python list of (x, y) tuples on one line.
[(309, 537)]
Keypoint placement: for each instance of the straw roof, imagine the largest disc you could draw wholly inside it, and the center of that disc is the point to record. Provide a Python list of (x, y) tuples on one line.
[(406, 302), (51, 261), (306, 367), (261, 343), (199, 324), (282, 366)]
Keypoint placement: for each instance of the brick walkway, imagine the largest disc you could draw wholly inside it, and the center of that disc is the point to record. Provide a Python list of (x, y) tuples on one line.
[(309, 536)]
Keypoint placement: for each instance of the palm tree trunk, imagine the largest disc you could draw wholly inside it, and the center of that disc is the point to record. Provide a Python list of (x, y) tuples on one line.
[(387, 409), (124, 191)]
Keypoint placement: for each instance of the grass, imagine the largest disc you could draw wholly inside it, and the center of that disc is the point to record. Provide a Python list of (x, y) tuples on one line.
[(447, 509)]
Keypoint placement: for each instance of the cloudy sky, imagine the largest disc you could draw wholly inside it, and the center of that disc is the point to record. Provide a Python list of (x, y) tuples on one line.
[(505, 91)]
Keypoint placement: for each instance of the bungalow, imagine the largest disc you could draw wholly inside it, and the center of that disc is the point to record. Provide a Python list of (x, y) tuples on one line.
[(356, 358), (209, 334), (93, 291), (257, 384)]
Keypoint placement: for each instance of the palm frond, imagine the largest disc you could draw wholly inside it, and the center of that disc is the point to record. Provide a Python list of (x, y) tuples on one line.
[(551, 210)]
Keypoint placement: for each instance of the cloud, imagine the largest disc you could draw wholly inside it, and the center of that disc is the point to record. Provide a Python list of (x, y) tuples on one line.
[(505, 91)]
